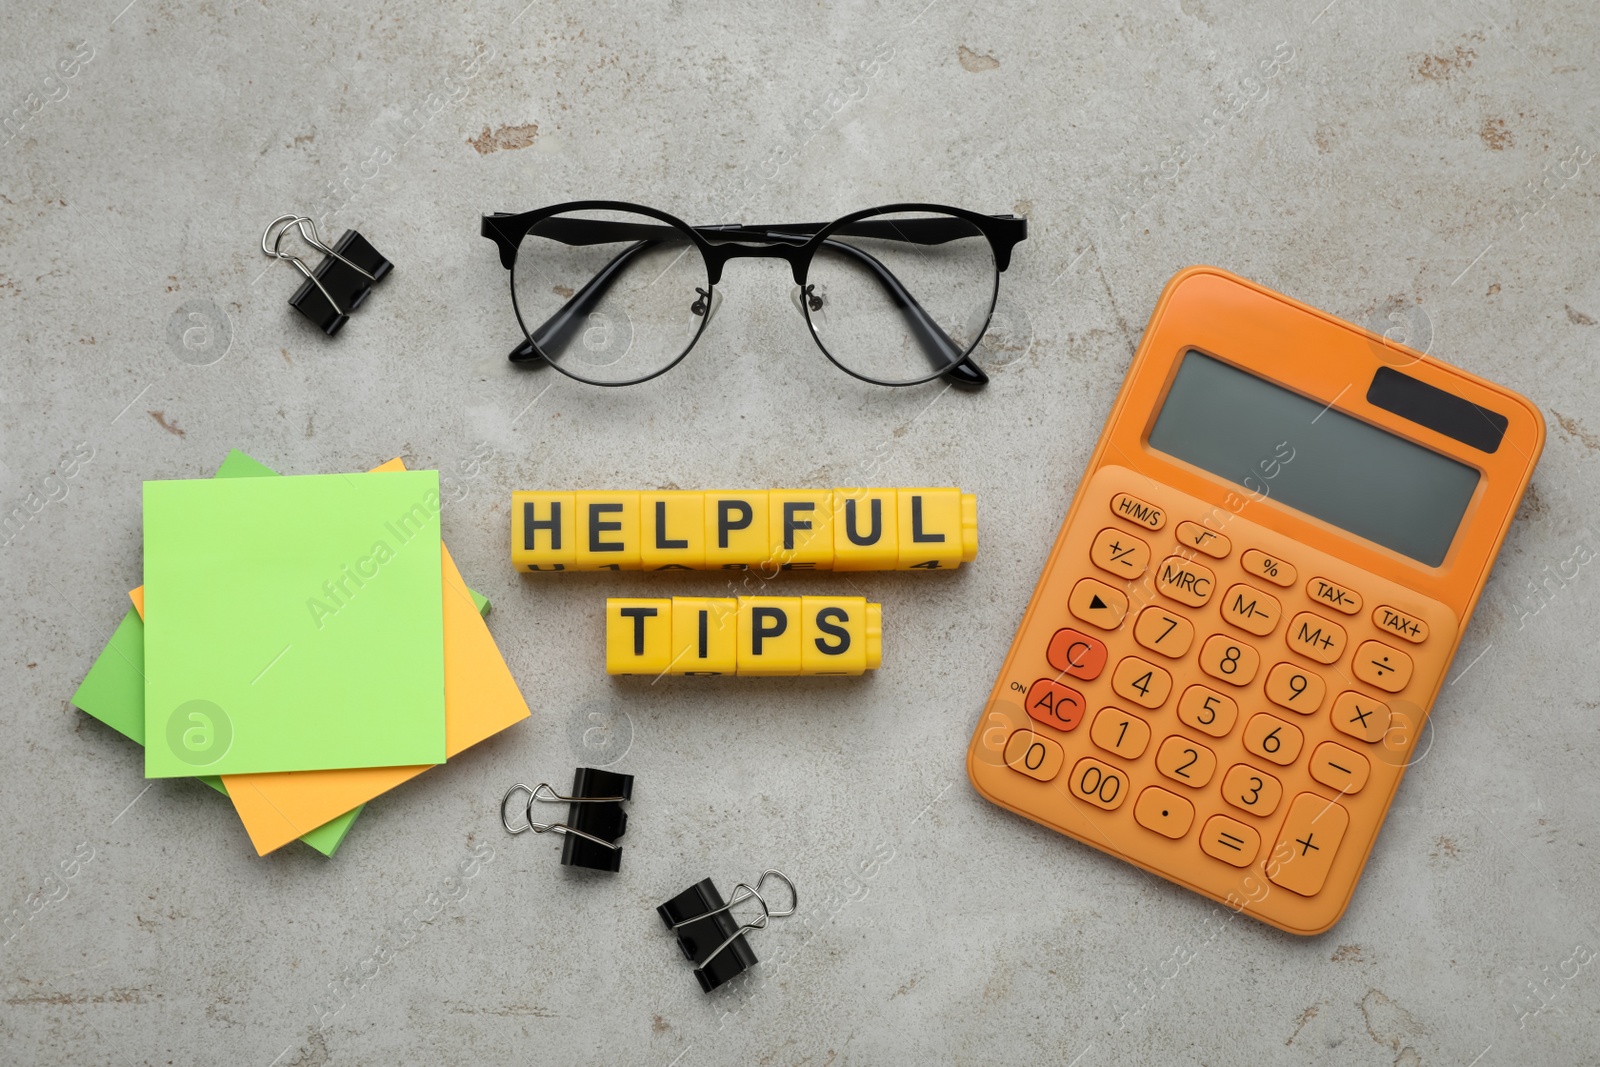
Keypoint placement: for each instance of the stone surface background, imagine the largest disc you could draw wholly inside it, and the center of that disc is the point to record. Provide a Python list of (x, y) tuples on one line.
[(1427, 169)]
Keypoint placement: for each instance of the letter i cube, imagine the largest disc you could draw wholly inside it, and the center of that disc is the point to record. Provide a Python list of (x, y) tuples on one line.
[(705, 635)]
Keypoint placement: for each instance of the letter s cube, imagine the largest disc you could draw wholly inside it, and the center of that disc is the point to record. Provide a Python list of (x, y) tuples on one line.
[(839, 635)]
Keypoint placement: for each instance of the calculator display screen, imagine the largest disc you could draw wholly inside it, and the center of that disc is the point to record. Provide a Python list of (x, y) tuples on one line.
[(1323, 462)]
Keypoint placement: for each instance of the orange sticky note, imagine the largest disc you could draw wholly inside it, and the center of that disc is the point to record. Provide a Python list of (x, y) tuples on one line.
[(480, 699)]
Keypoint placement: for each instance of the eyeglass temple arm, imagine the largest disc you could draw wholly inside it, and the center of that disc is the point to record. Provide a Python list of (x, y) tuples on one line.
[(936, 344), (558, 331)]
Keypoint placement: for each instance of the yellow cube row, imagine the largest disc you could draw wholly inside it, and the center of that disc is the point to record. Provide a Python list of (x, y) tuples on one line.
[(753, 636), (791, 529)]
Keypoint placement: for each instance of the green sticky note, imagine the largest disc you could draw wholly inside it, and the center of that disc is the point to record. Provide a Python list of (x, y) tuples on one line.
[(293, 623), (113, 692)]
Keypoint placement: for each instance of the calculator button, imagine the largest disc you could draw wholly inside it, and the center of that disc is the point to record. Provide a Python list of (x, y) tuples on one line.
[(1295, 689), (1162, 631), (1361, 717), (1141, 682), (1251, 790), (1119, 552), (1034, 755), (1185, 761), (1380, 665), (1271, 568), (1120, 733), (1078, 654), (1054, 704), (1273, 739), (1185, 581), (1251, 609), (1124, 506), (1166, 813), (1339, 768), (1334, 595), (1230, 841), (1193, 535), (1207, 710), (1232, 661), (1399, 623), (1315, 637), (1306, 844), (1097, 604), (1100, 785)]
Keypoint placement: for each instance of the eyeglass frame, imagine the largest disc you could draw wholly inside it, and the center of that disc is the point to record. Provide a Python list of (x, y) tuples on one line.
[(1003, 233)]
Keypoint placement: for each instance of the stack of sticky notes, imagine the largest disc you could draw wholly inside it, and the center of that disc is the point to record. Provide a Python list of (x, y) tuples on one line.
[(301, 644)]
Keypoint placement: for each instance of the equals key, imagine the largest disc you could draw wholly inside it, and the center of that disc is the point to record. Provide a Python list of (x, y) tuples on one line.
[(1230, 841)]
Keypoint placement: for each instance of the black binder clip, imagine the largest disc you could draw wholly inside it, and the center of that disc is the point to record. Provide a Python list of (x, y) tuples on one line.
[(595, 818), (707, 932), (340, 284)]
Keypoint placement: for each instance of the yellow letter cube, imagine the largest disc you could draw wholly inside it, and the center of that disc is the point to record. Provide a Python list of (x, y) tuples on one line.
[(800, 525), (736, 530), (833, 634), (638, 636), (542, 537), (769, 635), (865, 525), (608, 531), (705, 635), (672, 531), (938, 528)]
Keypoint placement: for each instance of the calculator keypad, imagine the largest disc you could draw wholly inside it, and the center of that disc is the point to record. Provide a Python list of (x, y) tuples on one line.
[(1249, 728)]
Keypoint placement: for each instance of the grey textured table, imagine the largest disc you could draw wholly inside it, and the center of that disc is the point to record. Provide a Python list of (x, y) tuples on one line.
[(1427, 169)]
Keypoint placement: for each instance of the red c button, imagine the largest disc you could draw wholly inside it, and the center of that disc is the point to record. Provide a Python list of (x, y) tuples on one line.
[(1076, 653)]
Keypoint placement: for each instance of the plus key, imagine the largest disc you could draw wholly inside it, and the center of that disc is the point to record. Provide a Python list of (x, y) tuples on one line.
[(1307, 844)]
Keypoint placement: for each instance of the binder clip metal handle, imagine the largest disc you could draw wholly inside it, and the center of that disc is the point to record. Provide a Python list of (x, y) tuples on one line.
[(707, 932), (595, 817), (545, 792), (742, 892)]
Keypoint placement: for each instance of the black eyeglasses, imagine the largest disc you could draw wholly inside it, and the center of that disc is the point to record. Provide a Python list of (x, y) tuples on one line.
[(613, 294)]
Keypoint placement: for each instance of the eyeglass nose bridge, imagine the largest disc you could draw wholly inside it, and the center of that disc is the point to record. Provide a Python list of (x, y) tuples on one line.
[(718, 255)]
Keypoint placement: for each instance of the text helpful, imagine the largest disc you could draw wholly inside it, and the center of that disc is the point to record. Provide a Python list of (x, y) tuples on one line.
[(751, 636), (788, 529)]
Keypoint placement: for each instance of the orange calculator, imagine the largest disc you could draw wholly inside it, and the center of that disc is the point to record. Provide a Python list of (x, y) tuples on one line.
[(1252, 603)]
